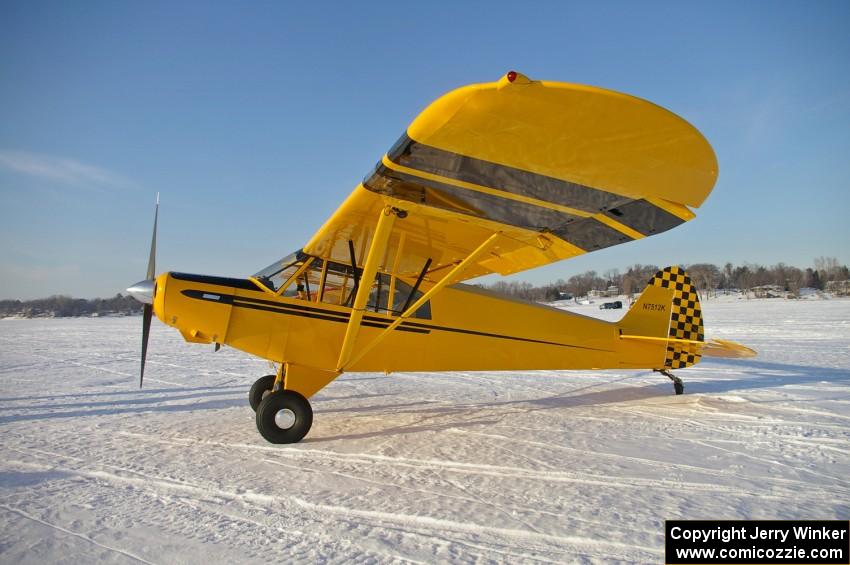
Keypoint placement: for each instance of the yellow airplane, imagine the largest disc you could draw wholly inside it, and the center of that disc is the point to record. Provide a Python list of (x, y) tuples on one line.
[(496, 177)]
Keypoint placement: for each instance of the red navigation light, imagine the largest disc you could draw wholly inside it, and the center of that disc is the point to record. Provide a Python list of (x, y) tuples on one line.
[(511, 76)]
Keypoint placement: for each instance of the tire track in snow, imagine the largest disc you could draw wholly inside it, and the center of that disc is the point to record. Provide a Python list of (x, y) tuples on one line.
[(541, 541), (77, 535), (440, 524), (729, 431), (370, 481), (155, 487), (131, 376), (665, 483), (774, 462), (725, 431), (499, 471), (470, 497), (84, 365)]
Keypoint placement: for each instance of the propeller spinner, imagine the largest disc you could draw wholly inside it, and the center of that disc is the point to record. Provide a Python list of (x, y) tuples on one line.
[(143, 291)]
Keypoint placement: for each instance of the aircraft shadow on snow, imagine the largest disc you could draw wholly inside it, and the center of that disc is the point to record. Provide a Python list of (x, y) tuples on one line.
[(437, 418)]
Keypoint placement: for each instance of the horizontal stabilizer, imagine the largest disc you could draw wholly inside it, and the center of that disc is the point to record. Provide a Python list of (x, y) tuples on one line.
[(711, 348), (728, 349)]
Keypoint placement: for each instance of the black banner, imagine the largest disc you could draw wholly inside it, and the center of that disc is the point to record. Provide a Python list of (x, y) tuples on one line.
[(762, 542)]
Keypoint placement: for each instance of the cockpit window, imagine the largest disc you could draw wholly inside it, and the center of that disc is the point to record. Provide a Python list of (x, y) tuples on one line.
[(380, 300), (275, 275), (338, 287), (331, 282)]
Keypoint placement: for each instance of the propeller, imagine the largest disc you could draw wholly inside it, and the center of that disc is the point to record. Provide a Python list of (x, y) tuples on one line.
[(143, 291)]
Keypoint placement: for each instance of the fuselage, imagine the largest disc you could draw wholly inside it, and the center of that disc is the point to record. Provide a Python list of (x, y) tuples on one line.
[(464, 329)]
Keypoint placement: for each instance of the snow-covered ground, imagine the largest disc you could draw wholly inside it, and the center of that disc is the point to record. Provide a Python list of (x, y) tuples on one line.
[(462, 467)]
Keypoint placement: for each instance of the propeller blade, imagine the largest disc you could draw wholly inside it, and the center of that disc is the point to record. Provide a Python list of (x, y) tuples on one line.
[(152, 258), (147, 312), (147, 315)]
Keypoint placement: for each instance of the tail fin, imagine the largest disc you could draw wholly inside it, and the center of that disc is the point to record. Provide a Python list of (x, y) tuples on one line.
[(668, 310)]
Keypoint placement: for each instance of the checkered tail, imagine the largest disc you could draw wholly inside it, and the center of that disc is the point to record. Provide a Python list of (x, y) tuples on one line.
[(685, 317)]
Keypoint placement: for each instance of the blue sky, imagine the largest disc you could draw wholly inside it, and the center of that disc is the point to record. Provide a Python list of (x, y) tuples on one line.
[(255, 120)]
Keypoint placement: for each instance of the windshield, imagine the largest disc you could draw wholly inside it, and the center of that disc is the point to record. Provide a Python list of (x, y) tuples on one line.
[(275, 275), (335, 283)]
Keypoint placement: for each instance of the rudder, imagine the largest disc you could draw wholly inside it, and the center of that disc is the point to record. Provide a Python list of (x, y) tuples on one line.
[(669, 308)]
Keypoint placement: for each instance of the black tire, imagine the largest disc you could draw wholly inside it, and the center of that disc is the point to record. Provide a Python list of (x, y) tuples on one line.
[(259, 389), (284, 400), (679, 388)]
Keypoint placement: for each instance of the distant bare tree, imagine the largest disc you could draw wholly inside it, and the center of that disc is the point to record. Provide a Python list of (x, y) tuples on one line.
[(705, 276), (743, 278), (727, 280), (636, 278), (612, 277), (827, 267)]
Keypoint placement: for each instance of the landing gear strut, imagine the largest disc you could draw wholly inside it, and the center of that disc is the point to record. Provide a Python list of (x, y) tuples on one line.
[(678, 386)]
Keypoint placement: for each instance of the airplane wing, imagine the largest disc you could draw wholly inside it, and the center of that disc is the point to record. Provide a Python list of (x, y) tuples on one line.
[(557, 169)]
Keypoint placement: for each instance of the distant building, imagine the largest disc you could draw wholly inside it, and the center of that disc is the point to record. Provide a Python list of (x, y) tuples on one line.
[(607, 293), (768, 291), (838, 288)]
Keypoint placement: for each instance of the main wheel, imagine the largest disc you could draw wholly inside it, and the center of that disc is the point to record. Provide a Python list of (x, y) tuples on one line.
[(284, 417), (259, 390), (678, 387)]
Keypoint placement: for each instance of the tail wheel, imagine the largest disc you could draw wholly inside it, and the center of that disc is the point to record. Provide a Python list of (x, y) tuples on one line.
[(259, 390), (678, 386), (284, 417)]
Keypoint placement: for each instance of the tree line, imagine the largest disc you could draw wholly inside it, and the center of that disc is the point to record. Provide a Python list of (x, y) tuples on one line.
[(707, 277), (65, 306)]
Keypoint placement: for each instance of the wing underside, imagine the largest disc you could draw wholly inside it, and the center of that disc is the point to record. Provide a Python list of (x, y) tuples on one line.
[(558, 169)]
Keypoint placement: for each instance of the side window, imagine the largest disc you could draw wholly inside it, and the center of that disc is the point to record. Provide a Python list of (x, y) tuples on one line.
[(380, 299), (338, 285), (379, 294), (306, 284), (338, 288), (400, 297)]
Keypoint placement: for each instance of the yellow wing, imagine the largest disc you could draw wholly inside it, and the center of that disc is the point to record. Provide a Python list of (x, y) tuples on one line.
[(558, 169)]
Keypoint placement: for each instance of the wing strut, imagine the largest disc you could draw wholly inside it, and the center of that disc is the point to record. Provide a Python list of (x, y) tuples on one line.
[(363, 284), (446, 280), (353, 271), (413, 290)]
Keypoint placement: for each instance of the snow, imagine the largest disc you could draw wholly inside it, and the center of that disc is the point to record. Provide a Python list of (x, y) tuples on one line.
[(423, 468)]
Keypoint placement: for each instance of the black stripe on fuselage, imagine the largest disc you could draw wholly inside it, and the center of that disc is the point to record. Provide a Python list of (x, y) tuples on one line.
[(344, 316), (295, 310), (513, 338), (284, 310), (243, 284), (369, 321)]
